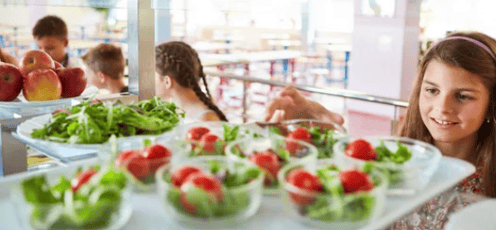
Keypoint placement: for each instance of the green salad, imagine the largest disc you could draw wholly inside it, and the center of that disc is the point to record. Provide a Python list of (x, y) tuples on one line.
[(322, 138), (215, 193), (87, 202), (338, 195), (94, 122), (207, 143)]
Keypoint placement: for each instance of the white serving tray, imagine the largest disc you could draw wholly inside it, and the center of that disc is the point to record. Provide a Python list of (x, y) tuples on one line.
[(148, 213)]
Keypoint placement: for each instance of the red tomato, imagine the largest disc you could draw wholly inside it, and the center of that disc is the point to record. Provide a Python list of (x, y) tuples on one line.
[(361, 149), (122, 157), (269, 162), (299, 134), (138, 166), (207, 183), (179, 176), (354, 181), (208, 142), (306, 181), (81, 179), (195, 133), (157, 155)]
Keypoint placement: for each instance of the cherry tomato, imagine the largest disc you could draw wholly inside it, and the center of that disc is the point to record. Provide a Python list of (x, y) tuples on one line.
[(138, 166), (208, 142), (81, 179), (207, 183), (122, 157), (157, 155), (195, 133), (299, 134), (354, 181), (269, 162), (306, 181), (361, 149), (180, 175)]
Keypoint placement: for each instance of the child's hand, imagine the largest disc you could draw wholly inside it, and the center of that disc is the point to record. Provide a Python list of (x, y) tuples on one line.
[(296, 106)]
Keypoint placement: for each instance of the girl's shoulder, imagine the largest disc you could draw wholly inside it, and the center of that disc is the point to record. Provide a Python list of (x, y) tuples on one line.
[(473, 183)]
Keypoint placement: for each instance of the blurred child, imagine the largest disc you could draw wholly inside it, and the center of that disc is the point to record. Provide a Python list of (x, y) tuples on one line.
[(178, 73), (50, 34), (7, 58), (105, 70)]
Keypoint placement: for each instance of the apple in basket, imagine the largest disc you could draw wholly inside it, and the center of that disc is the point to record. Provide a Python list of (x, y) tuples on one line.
[(11, 81), (42, 85), (35, 59), (73, 81)]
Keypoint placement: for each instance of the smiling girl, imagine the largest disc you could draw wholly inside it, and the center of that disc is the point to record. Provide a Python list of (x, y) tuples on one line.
[(453, 107)]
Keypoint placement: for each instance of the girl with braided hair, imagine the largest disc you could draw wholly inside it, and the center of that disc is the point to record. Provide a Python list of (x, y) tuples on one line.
[(178, 72)]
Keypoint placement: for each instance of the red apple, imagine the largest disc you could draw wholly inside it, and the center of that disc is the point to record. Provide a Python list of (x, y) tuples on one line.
[(35, 59), (58, 65), (11, 81), (73, 81), (42, 85)]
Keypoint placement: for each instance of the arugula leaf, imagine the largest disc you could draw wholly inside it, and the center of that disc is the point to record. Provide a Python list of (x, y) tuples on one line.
[(36, 190), (204, 203), (230, 134), (275, 130)]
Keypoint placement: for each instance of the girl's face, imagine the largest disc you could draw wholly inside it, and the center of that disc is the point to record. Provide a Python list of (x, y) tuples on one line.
[(453, 103)]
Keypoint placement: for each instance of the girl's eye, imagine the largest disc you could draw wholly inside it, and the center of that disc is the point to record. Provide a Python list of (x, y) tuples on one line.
[(431, 90), (462, 97)]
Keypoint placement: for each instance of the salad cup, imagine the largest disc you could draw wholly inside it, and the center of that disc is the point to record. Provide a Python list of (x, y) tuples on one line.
[(226, 133), (404, 178), (323, 138), (283, 151), (140, 170), (98, 205), (238, 203), (335, 210)]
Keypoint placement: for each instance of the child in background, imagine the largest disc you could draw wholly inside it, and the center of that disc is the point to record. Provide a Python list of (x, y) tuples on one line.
[(178, 72), (105, 69), (50, 34), (453, 106), (7, 58)]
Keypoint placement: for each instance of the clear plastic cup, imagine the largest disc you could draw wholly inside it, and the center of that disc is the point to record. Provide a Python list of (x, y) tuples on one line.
[(326, 211), (140, 170), (73, 213), (323, 145), (237, 205), (404, 179), (297, 152)]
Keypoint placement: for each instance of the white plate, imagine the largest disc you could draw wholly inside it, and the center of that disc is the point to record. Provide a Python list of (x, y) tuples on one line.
[(480, 215), (63, 152), (149, 214)]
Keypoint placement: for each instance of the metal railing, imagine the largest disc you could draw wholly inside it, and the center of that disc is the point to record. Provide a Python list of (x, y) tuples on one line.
[(312, 89)]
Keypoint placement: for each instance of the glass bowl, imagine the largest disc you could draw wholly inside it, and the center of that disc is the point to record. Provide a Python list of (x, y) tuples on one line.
[(404, 179), (93, 206), (324, 134), (286, 150), (226, 132), (138, 168), (238, 203), (336, 210)]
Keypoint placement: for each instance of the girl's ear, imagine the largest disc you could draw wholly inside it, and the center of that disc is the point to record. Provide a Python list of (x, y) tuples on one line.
[(168, 82)]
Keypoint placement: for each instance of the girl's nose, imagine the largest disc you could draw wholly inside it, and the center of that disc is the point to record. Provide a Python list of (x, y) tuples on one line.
[(445, 104)]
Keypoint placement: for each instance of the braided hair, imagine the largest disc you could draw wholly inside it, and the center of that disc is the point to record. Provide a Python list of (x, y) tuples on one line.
[(181, 62)]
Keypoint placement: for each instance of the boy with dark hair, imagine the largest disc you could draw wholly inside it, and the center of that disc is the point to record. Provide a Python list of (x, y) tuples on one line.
[(106, 65), (50, 34)]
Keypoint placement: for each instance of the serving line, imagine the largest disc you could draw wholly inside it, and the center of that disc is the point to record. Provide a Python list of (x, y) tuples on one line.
[(149, 214)]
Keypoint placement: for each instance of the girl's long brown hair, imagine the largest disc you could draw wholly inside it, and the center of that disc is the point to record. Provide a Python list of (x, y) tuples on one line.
[(181, 62), (473, 58)]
